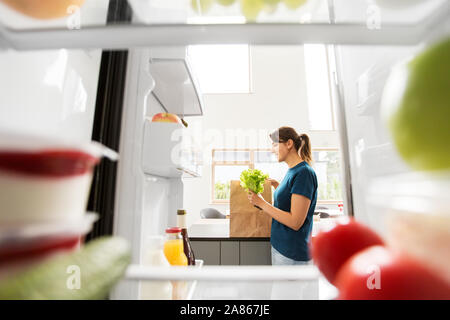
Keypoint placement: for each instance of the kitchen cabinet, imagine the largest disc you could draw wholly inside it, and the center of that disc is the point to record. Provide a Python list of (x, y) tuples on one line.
[(208, 251), (255, 253), (232, 251), (229, 253)]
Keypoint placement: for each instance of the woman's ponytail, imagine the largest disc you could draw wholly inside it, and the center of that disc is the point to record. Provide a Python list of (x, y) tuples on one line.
[(305, 148)]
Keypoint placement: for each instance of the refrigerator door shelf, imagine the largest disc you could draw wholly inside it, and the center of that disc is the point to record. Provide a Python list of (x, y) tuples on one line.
[(168, 152), (175, 88)]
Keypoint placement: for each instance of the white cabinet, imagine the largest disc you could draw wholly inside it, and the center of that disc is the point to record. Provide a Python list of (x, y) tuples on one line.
[(169, 151)]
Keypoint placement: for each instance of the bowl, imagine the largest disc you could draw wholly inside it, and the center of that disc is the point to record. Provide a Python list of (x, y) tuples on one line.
[(33, 242), (42, 179)]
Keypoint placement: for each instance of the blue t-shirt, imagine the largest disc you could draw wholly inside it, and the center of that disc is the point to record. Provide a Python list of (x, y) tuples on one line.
[(300, 179)]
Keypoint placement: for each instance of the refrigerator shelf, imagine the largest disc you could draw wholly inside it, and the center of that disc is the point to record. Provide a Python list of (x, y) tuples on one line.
[(241, 282), (224, 273), (181, 25)]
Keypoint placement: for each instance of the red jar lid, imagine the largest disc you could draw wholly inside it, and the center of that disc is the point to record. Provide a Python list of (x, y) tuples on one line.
[(51, 163), (173, 230)]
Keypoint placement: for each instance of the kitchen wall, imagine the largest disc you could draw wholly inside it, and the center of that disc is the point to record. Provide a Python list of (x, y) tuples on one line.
[(278, 98)]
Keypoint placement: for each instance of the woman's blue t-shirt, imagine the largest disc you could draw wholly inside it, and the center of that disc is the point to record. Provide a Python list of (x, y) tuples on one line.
[(300, 179)]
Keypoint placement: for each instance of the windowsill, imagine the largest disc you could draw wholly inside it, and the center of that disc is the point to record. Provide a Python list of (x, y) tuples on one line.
[(219, 203)]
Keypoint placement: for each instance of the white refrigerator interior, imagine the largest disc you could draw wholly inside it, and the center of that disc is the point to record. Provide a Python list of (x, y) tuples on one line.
[(53, 92)]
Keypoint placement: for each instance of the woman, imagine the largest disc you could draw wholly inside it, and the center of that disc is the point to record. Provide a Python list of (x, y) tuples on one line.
[(294, 199)]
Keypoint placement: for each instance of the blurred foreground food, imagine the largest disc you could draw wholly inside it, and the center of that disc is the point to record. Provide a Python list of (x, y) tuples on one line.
[(89, 273), (416, 106)]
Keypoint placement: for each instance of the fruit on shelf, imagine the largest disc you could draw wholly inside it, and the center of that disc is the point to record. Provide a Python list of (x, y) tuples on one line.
[(166, 117), (333, 247), (294, 4), (225, 3), (416, 108), (44, 9), (251, 9), (201, 6), (380, 273)]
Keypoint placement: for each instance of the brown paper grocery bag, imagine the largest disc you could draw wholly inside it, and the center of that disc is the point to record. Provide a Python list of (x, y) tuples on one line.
[(246, 220)]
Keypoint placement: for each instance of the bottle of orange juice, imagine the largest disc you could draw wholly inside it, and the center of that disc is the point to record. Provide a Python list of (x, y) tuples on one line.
[(173, 247), (174, 252)]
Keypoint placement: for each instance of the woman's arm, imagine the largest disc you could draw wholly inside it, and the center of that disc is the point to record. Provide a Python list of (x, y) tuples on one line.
[(294, 219)]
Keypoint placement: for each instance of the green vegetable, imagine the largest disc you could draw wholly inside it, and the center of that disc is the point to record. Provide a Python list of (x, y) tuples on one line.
[(89, 273), (253, 179), (416, 106)]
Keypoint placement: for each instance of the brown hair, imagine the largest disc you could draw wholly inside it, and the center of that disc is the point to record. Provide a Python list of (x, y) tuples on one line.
[(302, 143)]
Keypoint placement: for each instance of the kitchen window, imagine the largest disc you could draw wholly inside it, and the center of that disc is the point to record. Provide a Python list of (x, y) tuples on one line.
[(318, 88), (221, 69), (227, 165)]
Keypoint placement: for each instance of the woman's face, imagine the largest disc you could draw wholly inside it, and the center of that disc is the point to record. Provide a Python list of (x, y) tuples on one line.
[(281, 150)]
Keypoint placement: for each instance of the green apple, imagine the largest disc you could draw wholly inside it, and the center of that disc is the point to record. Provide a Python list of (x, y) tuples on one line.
[(271, 2), (294, 4), (416, 107), (226, 3), (251, 9), (270, 6), (201, 6)]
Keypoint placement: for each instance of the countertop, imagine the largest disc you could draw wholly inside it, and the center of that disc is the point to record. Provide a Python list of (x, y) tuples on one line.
[(219, 230)]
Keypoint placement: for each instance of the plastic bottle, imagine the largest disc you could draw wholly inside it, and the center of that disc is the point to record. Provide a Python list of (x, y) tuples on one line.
[(154, 256)]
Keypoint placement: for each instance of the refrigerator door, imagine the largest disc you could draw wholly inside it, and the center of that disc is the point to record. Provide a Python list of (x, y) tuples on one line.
[(362, 72)]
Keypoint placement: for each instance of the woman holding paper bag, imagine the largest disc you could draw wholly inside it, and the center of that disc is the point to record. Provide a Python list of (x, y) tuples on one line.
[(294, 199)]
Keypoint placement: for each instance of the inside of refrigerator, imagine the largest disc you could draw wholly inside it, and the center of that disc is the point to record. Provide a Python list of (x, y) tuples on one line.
[(50, 72)]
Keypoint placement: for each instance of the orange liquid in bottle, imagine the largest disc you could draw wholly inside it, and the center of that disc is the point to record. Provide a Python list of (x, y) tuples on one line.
[(174, 252)]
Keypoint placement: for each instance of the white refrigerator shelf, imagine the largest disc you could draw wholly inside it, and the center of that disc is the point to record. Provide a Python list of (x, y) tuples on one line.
[(337, 24)]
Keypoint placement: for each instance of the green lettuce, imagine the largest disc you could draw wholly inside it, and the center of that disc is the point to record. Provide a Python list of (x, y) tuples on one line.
[(253, 179)]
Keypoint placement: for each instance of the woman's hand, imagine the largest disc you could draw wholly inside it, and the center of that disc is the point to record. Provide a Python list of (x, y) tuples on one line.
[(256, 199), (274, 183)]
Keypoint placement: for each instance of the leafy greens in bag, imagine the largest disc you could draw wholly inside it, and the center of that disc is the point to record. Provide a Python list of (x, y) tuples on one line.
[(253, 179)]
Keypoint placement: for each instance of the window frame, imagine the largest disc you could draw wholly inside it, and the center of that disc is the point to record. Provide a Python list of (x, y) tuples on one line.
[(251, 164), (332, 202), (214, 163)]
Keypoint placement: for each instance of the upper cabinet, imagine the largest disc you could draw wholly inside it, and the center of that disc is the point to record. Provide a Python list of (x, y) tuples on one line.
[(29, 24)]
